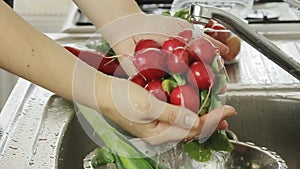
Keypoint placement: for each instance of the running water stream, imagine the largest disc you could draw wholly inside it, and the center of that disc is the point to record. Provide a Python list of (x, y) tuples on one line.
[(176, 158)]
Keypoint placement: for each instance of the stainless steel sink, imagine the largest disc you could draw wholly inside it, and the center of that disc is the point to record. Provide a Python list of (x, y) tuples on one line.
[(41, 130), (266, 116), (269, 118)]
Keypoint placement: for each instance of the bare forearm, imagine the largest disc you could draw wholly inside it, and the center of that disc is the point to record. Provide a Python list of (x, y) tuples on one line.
[(101, 12), (30, 54)]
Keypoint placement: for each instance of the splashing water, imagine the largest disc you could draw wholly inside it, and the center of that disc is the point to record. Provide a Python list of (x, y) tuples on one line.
[(176, 158), (198, 31)]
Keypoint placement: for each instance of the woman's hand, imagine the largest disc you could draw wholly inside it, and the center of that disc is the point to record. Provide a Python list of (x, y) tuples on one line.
[(129, 105), (157, 122), (107, 13), (232, 42)]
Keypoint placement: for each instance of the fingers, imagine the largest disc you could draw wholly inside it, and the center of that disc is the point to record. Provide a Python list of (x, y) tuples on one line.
[(228, 111), (166, 132), (234, 45), (223, 125), (214, 120), (222, 48), (180, 116)]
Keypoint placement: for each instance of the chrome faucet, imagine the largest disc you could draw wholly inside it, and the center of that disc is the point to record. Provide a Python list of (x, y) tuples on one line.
[(201, 14)]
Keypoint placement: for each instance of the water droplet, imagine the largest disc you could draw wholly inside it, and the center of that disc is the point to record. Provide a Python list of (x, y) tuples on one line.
[(264, 148), (255, 166), (34, 152), (251, 144), (31, 162), (42, 139), (13, 147)]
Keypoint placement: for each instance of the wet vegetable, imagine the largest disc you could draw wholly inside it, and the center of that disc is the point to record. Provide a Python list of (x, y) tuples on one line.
[(146, 43), (172, 43), (102, 157), (203, 50), (115, 143), (200, 75), (178, 60), (151, 63), (155, 87), (232, 41), (181, 71), (195, 78), (100, 61), (187, 96), (139, 79)]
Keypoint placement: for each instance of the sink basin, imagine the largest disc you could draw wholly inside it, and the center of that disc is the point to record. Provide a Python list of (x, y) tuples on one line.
[(267, 117), (41, 130)]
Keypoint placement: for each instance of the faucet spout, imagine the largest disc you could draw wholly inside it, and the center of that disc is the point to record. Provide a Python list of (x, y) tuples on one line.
[(200, 14)]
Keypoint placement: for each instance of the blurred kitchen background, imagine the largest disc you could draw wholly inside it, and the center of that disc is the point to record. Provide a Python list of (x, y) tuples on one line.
[(274, 17)]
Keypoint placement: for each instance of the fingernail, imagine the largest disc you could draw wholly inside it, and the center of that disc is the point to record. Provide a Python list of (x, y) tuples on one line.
[(191, 121), (230, 110)]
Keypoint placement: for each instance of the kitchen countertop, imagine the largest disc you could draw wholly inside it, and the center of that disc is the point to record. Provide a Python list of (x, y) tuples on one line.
[(253, 67)]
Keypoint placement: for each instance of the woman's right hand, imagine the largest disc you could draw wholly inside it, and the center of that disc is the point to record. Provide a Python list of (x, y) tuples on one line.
[(143, 115)]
